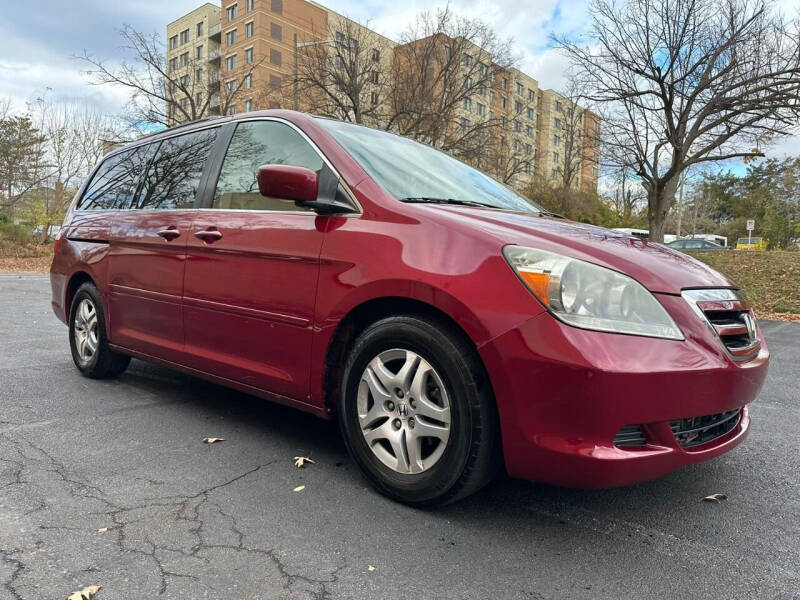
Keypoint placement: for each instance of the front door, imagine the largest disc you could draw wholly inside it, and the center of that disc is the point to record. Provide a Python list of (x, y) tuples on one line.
[(251, 273), (148, 249)]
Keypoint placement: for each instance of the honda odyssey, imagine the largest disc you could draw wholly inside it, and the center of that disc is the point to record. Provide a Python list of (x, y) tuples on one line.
[(453, 327)]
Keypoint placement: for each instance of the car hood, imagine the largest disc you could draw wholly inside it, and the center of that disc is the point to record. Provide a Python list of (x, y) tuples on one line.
[(658, 268)]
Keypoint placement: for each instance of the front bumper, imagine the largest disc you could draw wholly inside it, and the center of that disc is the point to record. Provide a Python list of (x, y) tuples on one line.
[(564, 393)]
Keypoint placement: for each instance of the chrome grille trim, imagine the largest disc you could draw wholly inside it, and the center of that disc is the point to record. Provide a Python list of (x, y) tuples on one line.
[(727, 314), (696, 431)]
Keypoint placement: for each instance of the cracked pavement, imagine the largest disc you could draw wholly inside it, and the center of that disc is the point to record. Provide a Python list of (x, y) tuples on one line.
[(191, 520)]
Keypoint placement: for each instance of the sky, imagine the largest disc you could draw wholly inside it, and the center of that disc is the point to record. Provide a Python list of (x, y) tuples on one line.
[(39, 44)]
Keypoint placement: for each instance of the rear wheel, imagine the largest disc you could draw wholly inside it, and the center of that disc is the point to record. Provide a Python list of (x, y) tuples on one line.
[(88, 339), (417, 413)]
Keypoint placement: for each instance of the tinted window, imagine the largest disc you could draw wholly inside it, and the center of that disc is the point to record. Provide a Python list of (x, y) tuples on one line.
[(255, 144), (114, 184), (679, 244), (174, 174)]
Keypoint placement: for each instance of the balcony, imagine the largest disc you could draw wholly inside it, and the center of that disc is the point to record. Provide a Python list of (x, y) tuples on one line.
[(215, 31), (214, 102), (214, 55)]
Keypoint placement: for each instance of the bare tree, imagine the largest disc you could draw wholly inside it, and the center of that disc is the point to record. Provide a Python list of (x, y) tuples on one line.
[(444, 65), (343, 73), (162, 93), (686, 82)]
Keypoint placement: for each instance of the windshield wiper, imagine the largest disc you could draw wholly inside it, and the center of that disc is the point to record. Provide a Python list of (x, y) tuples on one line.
[(547, 213), (424, 200)]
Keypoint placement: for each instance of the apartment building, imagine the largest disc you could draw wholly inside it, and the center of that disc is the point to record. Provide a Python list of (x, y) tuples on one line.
[(567, 136), (193, 61), (255, 50)]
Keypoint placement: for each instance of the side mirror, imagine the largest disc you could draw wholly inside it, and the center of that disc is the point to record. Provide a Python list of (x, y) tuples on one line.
[(297, 184)]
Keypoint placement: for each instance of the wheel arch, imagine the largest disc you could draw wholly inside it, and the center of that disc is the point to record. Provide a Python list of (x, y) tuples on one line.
[(76, 280), (361, 316)]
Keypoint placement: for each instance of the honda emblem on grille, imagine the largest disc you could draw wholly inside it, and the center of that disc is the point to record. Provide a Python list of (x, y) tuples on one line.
[(750, 323)]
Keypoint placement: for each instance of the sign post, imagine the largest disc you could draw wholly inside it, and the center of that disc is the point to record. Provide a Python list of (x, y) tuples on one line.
[(751, 225)]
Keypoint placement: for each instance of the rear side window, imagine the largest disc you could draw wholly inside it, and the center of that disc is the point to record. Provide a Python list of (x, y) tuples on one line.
[(174, 174), (114, 184), (254, 144)]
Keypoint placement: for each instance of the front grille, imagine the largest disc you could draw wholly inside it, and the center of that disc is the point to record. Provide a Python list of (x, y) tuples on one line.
[(701, 430), (728, 315), (630, 435)]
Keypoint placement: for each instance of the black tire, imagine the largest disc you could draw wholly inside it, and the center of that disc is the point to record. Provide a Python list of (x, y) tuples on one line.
[(471, 456), (103, 363)]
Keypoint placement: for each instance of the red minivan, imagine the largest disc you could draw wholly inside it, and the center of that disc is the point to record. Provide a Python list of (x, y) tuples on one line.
[(453, 326)]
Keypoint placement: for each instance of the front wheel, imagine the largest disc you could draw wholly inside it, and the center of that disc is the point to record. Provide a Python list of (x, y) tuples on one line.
[(88, 339), (417, 412)]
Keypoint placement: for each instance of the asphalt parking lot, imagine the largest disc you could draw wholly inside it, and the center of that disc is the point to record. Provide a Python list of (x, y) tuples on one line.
[(190, 520)]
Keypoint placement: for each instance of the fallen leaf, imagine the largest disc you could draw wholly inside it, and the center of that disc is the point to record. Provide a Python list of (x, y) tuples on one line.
[(715, 498), (370, 568), (299, 488), (86, 593), (300, 461), (102, 530), (212, 440)]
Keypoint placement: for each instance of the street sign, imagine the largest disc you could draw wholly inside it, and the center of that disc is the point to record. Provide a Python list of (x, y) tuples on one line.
[(751, 224)]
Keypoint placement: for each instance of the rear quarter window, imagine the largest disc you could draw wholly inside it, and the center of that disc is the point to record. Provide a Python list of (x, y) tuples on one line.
[(115, 181)]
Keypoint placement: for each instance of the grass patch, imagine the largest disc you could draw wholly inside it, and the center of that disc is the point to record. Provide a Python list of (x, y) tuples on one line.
[(771, 279)]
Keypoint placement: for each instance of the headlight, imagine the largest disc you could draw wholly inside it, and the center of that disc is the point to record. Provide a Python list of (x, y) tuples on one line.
[(591, 297)]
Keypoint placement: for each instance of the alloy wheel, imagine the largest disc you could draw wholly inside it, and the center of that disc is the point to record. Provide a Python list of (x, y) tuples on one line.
[(86, 331), (403, 411)]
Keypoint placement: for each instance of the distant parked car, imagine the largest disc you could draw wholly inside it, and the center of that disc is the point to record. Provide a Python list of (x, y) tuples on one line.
[(755, 243), (694, 245)]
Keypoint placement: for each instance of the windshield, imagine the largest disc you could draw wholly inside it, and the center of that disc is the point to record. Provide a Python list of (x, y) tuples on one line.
[(410, 170)]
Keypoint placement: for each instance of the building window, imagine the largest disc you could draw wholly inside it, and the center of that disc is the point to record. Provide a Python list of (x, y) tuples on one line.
[(184, 59), (231, 12), (448, 53), (198, 76), (376, 55), (531, 95), (230, 87), (274, 82), (528, 130), (481, 109), (464, 124), (503, 101), (520, 89), (275, 57), (230, 62), (530, 113), (184, 36), (184, 103), (200, 28), (374, 98), (185, 81), (482, 89), (173, 64), (173, 42), (248, 82), (467, 103), (517, 126), (248, 56), (275, 31), (277, 6), (375, 76), (555, 157), (505, 83), (230, 38), (559, 107), (517, 146), (250, 5), (198, 100), (466, 60), (248, 105), (518, 107), (557, 123), (231, 111), (595, 172), (528, 149), (556, 140), (199, 52), (248, 30)]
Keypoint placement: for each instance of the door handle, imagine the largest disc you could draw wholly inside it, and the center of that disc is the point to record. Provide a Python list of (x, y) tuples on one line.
[(209, 236), (169, 234)]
